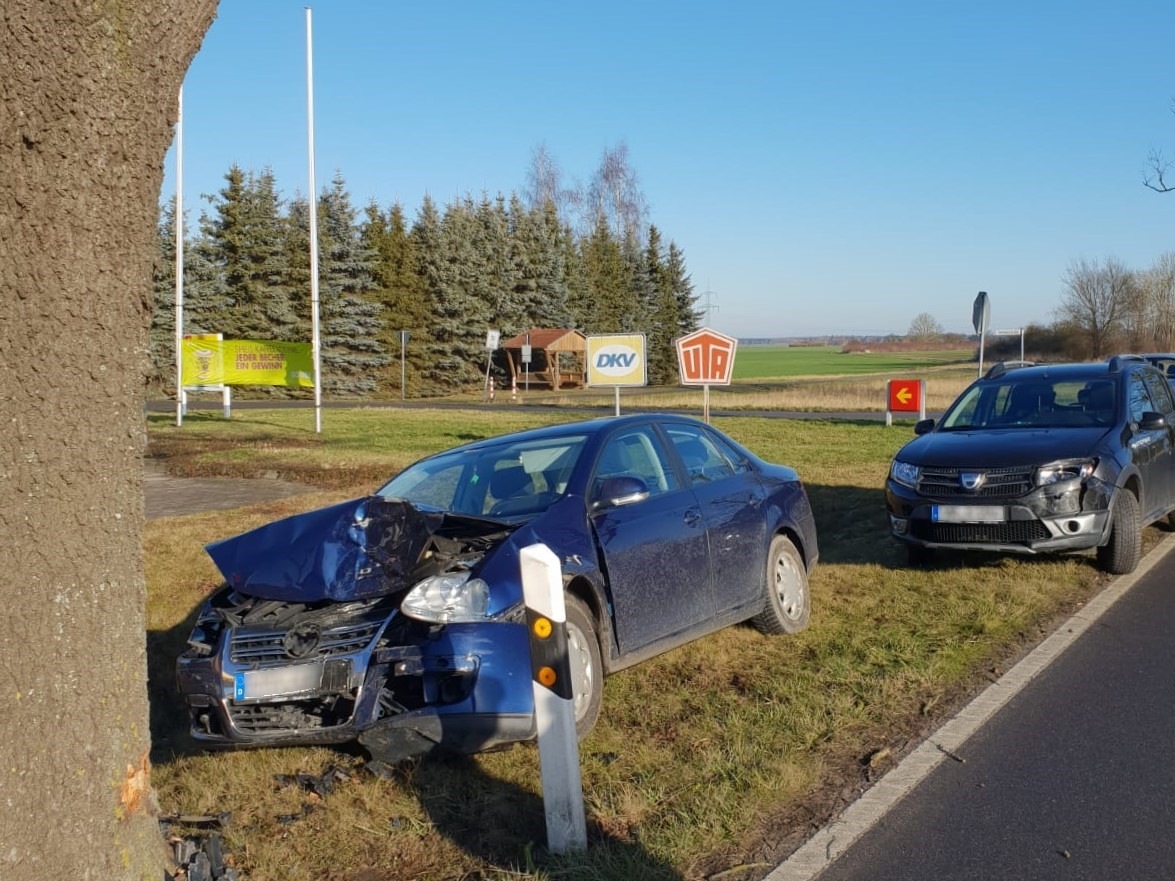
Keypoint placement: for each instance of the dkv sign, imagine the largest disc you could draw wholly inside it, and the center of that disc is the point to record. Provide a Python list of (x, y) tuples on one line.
[(616, 359)]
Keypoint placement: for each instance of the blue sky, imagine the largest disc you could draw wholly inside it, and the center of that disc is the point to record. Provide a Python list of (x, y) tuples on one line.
[(833, 167)]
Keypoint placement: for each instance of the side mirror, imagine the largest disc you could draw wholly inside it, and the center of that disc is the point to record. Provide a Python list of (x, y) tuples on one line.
[(617, 492), (923, 425), (1152, 421)]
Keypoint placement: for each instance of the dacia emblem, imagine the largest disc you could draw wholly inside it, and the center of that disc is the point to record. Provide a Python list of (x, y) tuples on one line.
[(972, 480)]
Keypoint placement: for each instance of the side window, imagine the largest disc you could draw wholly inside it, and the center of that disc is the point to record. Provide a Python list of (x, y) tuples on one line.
[(635, 453), (1138, 398), (703, 462), (734, 456), (1160, 392)]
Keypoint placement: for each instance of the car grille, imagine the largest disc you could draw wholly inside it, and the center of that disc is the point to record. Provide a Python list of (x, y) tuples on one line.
[(1012, 532), (1000, 482), (267, 647)]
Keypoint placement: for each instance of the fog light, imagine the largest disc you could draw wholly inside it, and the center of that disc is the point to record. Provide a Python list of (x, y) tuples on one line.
[(899, 525)]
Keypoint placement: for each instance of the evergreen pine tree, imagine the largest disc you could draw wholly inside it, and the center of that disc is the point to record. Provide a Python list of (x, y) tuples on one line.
[(247, 237), (161, 336), (400, 291), (350, 327)]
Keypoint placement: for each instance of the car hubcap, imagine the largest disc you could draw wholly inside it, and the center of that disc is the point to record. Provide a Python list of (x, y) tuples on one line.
[(582, 673), (789, 586)]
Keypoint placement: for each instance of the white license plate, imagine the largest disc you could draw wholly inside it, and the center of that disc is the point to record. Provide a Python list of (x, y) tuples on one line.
[(278, 682), (968, 514)]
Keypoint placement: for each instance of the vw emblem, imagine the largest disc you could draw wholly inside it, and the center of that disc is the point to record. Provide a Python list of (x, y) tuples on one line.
[(972, 480), (301, 641)]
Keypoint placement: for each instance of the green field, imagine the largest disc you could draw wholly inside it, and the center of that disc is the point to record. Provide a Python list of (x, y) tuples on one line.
[(782, 362), (711, 761)]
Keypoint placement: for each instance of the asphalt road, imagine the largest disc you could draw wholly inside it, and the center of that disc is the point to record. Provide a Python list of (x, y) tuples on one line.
[(1073, 779)]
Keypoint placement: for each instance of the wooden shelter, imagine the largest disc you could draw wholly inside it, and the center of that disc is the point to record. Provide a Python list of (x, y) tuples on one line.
[(558, 358)]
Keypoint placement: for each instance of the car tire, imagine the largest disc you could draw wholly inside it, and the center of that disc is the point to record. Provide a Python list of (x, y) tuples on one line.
[(786, 600), (1121, 553), (587, 669)]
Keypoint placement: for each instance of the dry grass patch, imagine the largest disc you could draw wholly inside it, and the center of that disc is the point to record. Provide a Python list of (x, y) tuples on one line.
[(719, 754)]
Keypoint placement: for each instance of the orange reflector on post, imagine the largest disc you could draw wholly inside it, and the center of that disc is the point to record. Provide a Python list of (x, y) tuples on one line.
[(542, 628), (546, 676)]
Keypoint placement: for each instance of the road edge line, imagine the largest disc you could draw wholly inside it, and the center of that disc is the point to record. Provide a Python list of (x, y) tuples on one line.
[(829, 843)]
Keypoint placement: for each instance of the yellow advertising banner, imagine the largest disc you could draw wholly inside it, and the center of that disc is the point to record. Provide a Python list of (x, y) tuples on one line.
[(247, 362)]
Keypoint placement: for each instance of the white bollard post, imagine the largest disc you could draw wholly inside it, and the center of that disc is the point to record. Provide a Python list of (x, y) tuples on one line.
[(546, 621)]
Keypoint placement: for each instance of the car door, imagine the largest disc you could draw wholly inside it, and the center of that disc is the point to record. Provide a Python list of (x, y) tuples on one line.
[(731, 497), (1160, 477), (655, 553)]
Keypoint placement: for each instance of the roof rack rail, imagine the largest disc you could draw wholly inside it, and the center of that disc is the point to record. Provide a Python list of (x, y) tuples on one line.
[(1002, 367), (1116, 361)]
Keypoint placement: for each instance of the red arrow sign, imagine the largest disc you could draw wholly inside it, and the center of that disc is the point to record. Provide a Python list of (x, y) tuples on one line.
[(905, 395)]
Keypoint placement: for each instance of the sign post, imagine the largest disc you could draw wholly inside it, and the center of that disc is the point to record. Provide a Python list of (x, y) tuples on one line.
[(980, 317), (493, 337), (526, 350), (546, 620), (706, 357), (403, 349), (1014, 331)]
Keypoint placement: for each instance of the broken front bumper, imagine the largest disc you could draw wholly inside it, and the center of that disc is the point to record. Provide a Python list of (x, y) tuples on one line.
[(401, 687), (1068, 516)]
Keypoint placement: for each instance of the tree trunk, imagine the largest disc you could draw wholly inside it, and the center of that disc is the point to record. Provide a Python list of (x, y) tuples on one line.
[(88, 93)]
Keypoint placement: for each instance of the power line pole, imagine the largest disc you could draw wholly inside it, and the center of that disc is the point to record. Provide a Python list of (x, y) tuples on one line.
[(709, 306)]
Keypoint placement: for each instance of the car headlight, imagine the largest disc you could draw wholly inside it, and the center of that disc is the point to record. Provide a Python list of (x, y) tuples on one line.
[(1068, 469), (451, 598), (905, 473)]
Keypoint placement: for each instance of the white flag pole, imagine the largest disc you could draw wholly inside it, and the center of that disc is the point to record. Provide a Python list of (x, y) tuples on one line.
[(179, 262), (314, 344)]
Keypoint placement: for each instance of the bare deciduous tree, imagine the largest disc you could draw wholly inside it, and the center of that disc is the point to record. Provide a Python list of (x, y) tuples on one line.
[(1160, 168), (544, 184), (924, 327), (615, 197), (88, 99), (1096, 299), (1157, 286)]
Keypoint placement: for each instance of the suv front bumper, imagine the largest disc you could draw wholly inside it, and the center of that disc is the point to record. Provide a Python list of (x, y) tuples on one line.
[(1070, 516)]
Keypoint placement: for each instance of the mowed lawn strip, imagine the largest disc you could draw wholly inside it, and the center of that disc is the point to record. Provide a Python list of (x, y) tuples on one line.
[(718, 756)]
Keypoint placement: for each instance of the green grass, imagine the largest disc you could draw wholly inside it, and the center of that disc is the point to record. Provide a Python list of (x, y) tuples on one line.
[(717, 755), (782, 362)]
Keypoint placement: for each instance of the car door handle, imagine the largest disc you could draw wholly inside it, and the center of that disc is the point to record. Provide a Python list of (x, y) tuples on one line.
[(692, 517)]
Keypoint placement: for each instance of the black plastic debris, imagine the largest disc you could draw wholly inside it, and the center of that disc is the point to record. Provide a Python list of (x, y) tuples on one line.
[(197, 857), (322, 785)]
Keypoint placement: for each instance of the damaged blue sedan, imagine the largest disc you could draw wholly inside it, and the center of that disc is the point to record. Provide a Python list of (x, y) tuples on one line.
[(397, 619)]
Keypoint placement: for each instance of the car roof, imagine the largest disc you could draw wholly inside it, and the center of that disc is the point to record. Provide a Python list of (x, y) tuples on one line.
[(566, 429), (1072, 371)]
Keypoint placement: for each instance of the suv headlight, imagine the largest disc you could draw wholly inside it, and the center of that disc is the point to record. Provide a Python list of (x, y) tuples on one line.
[(1067, 469), (452, 598), (905, 473)]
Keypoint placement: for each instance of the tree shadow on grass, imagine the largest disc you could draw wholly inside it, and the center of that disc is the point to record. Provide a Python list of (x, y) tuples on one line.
[(170, 736), (504, 825)]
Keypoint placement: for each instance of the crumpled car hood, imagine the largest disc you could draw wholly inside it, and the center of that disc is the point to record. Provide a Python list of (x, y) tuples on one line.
[(360, 549)]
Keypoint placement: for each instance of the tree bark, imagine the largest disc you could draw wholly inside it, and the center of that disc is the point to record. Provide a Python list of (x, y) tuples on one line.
[(88, 93)]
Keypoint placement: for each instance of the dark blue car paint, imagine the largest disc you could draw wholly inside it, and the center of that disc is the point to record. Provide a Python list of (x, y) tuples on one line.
[(657, 573)]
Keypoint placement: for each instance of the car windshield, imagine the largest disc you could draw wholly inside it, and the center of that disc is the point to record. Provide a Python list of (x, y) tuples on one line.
[(508, 480), (1034, 403)]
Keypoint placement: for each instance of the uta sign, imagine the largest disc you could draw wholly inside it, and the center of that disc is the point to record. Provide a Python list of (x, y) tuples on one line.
[(706, 357)]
